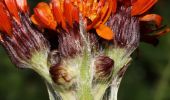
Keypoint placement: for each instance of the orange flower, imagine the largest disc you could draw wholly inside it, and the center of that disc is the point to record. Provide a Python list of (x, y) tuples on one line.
[(9, 9), (95, 14), (66, 12)]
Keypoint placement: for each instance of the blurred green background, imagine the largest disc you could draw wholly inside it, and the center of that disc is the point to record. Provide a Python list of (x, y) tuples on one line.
[(148, 77)]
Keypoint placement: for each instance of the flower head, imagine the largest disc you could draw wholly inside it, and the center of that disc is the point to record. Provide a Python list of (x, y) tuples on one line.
[(65, 13), (19, 37), (117, 20), (111, 28)]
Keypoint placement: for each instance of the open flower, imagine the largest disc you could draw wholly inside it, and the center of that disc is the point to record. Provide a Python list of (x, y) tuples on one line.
[(66, 13), (117, 20)]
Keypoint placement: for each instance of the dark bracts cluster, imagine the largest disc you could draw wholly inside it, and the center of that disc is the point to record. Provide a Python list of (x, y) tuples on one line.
[(70, 42), (126, 28), (25, 41)]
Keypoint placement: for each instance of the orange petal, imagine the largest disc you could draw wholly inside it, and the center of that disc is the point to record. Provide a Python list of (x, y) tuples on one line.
[(12, 7), (114, 7), (56, 8), (6, 25), (163, 32), (94, 22), (57, 12), (152, 17), (109, 11), (68, 9), (75, 14), (101, 3), (141, 6), (33, 19), (22, 5), (89, 2), (103, 16), (104, 10), (105, 32), (44, 16)]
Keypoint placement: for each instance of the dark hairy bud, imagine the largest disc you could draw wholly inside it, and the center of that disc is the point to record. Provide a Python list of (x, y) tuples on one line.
[(103, 67), (61, 75)]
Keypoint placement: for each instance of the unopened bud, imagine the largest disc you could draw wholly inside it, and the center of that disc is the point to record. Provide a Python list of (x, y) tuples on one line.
[(104, 66), (62, 75)]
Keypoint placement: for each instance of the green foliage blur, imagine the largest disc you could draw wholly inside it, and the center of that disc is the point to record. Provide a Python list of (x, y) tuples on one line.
[(148, 77)]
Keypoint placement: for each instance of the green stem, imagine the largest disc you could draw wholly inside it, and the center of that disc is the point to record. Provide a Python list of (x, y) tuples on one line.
[(99, 91), (114, 88), (51, 92), (85, 81), (85, 92), (121, 63), (44, 73), (67, 95)]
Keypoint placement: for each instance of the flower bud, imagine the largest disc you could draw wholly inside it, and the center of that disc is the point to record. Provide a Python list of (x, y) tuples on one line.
[(103, 67), (62, 75)]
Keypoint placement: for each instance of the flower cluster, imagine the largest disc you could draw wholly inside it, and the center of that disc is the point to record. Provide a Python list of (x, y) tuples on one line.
[(81, 47)]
